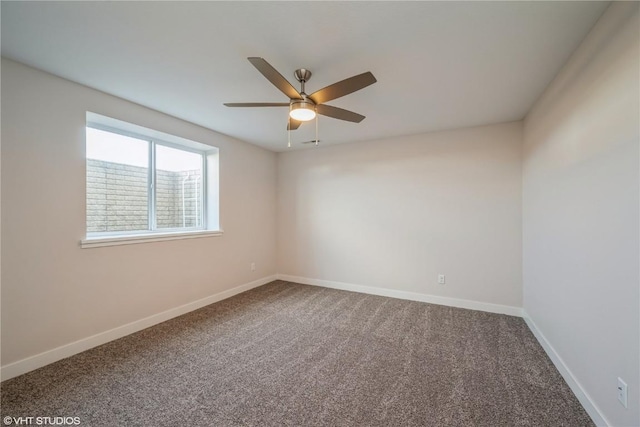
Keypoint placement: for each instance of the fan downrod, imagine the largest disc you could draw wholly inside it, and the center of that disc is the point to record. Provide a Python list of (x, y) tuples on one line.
[(302, 75)]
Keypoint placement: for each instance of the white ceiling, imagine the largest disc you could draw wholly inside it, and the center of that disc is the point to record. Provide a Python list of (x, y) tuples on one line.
[(439, 65)]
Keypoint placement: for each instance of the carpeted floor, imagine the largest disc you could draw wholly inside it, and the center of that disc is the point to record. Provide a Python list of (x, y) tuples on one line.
[(296, 355)]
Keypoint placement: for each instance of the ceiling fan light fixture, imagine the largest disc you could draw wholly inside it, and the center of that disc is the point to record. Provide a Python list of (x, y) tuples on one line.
[(303, 107), (302, 111)]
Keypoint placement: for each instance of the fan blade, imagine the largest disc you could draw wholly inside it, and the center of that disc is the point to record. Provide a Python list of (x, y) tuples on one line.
[(293, 124), (343, 88), (257, 104), (339, 113), (275, 77)]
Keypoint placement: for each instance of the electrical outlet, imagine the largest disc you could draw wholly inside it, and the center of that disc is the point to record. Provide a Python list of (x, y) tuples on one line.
[(441, 279), (253, 266), (622, 392)]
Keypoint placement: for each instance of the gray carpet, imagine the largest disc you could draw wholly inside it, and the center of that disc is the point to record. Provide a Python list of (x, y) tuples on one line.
[(296, 355)]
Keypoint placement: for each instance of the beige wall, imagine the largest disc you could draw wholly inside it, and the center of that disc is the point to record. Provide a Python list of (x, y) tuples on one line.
[(396, 213), (54, 292), (581, 213)]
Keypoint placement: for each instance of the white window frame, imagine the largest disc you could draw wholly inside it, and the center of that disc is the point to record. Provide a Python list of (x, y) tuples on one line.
[(153, 233)]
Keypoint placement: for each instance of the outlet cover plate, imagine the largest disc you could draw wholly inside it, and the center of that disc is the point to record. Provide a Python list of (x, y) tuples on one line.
[(622, 392)]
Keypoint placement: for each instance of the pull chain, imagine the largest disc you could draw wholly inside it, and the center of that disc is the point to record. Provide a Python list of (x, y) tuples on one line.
[(316, 129), (289, 128)]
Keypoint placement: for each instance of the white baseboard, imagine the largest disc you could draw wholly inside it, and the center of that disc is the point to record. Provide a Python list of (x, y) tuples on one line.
[(582, 396), (413, 296), (39, 360)]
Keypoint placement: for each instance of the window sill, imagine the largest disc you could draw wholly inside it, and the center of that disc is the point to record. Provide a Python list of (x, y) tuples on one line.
[(132, 239)]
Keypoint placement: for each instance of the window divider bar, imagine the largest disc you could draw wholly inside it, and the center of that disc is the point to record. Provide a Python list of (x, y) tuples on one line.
[(203, 191), (152, 186)]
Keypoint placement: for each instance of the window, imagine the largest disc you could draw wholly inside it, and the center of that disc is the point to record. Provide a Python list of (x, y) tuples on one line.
[(140, 185)]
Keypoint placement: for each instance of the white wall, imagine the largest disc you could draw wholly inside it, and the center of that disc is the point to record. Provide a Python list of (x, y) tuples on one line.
[(581, 213), (54, 292), (395, 213)]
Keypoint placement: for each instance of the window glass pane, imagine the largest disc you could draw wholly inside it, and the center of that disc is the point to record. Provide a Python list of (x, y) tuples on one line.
[(178, 188), (117, 182)]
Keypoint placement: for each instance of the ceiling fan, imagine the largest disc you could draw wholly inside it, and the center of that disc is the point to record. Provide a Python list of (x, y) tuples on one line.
[(303, 107)]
